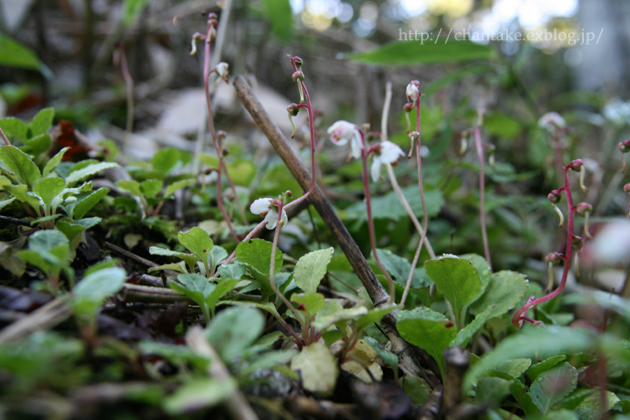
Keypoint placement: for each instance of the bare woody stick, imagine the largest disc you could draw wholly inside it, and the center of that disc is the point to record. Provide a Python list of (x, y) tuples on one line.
[(409, 359), (457, 361), (317, 198)]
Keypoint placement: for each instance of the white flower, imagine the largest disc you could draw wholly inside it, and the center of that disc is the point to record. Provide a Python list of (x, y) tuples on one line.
[(342, 131), (388, 152), (551, 121), (222, 69), (266, 208), (413, 92)]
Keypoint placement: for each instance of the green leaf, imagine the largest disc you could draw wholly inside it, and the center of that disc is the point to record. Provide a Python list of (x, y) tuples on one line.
[(457, 75), (130, 186), (242, 172), (457, 279), (46, 240), (492, 391), (533, 342), (166, 160), (589, 408), (151, 187), (221, 289), (388, 206), (428, 330), (97, 286), (72, 228), (54, 161), (265, 306), (256, 255), (311, 268), (4, 203), (388, 357), (197, 241), (48, 188), (37, 145), (501, 125), (231, 271), (14, 127), (411, 53), (417, 388), (198, 394), (543, 366), (312, 302), (190, 260), (131, 9), (371, 317), (400, 267), (317, 368), (21, 193), (20, 164), (216, 255), (195, 286), (84, 203), (553, 385), (233, 330), (280, 17), (41, 123), (515, 367), (177, 186), (14, 54), (75, 176)]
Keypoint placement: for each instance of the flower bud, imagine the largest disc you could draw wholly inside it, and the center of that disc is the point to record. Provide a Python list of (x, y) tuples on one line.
[(408, 107), (554, 258), (577, 243), (413, 91), (297, 76), (626, 188), (577, 165), (221, 135), (293, 109), (554, 196), (298, 62), (624, 146), (583, 208), (225, 151)]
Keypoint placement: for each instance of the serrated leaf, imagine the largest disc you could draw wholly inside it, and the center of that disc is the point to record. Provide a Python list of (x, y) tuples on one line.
[(399, 269), (492, 391), (151, 187), (553, 385), (197, 241), (41, 122), (231, 271), (457, 279), (191, 260), (545, 365), (20, 164), (49, 188), (428, 330), (72, 228), (14, 127), (505, 290), (414, 52), (20, 192), (85, 202), (317, 369), (233, 330), (311, 268), (81, 174), (198, 394), (177, 186), (589, 408), (54, 161)]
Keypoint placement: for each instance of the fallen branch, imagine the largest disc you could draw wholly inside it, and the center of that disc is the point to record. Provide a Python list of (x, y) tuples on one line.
[(48, 316), (431, 409)]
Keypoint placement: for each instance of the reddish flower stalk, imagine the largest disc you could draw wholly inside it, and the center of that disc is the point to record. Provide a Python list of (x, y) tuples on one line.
[(5, 138), (368, 205), (482, 187), (520, 315), (217, 146)]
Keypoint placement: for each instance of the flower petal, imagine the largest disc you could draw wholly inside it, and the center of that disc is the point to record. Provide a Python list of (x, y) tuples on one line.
[(390, 152), (272, 219), (260, 206), (375, 169)]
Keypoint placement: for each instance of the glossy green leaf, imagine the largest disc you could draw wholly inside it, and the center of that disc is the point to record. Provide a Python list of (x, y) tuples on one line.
[(166, 160), (54, 161), (198, 394), (97, 286), (590, 407), (388, 206), (197, 241), (311, 268), (191, 260), (41, 122), (15, 54), (177, 186), (553, 385), (49, 188), (21, 193), (388, 357), (151, 187), (457, 279), (311, 302), (428, 330), (85, 202), (411, 53), (20, 164), (231, 271), (544, 366), (37, 145), (72, 228), (130, 186), (88, 171), (399, 268), (14, 127)]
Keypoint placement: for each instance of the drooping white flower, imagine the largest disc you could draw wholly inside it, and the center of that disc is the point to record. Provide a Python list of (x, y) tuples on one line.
[(551, 121), (267, 209), (222, 69), (413, 91), (342, 131), (387, 152)]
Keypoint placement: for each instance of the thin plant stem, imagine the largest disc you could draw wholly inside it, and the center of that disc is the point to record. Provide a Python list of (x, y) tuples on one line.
[(519, 316), (206, 76), (4, 137), (124, 68), (368, 205), (482, 192), (424, 207), (272, 270)]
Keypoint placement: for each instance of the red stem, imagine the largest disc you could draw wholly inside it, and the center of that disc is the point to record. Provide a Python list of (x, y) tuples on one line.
[(368, 205), (519, 316), (206, 75), (4, 137), (482, 193)]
